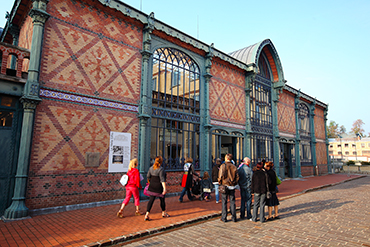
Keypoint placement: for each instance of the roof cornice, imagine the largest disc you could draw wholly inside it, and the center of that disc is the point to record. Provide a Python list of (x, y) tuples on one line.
[(171, 31)]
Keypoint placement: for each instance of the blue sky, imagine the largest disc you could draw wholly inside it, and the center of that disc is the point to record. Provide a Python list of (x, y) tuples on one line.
[(323, 45)]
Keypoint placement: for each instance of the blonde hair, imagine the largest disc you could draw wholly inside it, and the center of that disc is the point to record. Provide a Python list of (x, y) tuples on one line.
[(188, 160), (205, 175), (133, 164), (157, 163)]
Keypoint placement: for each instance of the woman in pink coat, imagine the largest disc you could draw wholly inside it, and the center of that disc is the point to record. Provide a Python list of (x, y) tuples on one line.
[(132, 187)]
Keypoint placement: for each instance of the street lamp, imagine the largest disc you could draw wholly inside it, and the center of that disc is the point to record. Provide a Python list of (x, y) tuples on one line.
[(341, 148)]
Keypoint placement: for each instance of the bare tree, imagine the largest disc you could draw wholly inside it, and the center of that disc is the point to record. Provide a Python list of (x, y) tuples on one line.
[(357, 127)]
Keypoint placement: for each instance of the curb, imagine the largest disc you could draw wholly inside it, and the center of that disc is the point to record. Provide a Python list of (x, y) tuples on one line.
[(137, 235)]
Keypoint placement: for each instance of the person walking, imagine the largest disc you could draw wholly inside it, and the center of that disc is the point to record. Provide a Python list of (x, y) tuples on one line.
[(229, 177), (215, 171), (273, 201), (157, 184), (187, 179), (259, 190), (245, 180), (132, 187)]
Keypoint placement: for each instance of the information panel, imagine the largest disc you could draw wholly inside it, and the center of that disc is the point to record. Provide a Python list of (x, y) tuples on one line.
[(119, 151)]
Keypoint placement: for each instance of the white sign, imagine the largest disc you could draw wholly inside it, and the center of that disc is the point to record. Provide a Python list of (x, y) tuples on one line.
[(119, 151)]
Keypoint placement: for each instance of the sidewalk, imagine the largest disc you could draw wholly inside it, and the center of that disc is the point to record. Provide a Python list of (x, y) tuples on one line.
[(100, 226)]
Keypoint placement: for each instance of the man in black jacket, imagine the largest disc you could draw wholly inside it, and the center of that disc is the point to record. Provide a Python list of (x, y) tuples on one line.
[(228, 176)]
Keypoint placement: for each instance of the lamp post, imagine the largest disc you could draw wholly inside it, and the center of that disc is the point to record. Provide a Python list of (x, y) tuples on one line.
[(341, 148)]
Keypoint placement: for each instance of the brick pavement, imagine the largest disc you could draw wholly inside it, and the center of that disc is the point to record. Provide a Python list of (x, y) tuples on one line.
[(95, 226), (333, 216)]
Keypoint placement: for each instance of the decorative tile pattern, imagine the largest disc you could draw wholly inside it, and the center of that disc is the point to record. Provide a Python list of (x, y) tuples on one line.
[(76, 58), (229, 125), (86, 100), (319, 123), (227, 95), (321, 157), (286, 113)]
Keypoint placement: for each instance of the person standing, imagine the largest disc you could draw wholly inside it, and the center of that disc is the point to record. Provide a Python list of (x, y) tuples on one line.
[(215, 171), (259, 189), (245, 180), (273, 201), (187, 179), (157, 184), (132, 187), (228, 176)]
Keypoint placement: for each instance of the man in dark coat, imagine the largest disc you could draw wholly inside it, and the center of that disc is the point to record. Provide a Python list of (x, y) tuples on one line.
[(228, 176)]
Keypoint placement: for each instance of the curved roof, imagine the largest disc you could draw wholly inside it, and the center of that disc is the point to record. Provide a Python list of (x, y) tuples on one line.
[(250, 55)]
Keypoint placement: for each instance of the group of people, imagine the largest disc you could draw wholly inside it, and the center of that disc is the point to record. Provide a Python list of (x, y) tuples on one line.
[(261, 182)]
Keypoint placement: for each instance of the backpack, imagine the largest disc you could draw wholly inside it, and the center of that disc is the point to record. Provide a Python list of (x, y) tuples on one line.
[(124, 180)]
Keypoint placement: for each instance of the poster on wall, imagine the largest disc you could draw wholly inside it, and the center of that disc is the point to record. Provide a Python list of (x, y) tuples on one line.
[(119, 151)]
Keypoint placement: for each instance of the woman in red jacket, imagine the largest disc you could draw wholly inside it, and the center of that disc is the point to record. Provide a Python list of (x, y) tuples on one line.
[(132, 187)]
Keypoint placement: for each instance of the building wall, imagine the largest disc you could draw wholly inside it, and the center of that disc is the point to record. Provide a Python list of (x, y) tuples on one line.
[(93, 54), (226, 93), (286, 113)]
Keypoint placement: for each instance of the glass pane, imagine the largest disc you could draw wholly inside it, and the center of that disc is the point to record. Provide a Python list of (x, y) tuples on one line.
[(6, 119), (8, 101)]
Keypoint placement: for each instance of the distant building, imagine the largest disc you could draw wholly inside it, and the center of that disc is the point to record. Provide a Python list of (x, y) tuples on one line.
[(350, 147), (75, 70)]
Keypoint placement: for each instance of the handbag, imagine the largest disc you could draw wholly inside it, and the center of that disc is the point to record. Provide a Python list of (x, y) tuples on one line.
[(268, 194), (150, 193), (278, 181), (222, 189), (124, 180)]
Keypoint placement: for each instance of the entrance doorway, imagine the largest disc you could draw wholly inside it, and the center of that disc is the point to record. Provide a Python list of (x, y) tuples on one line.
[(224, 143), (9, 144), (286, 159)]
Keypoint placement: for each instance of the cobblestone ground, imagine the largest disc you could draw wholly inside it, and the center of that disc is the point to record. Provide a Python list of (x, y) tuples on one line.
[(335, 216)]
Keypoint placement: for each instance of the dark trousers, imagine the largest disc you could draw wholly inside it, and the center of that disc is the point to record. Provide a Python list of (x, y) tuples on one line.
[(151, 201), (246, 202), (229, 194)]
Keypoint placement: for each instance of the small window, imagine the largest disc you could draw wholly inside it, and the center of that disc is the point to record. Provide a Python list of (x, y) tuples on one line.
[(353, 145), (347, 153), (339, 152), (331, 146), (8, 101), (346, 145), (330, 152), (354, 153), (339, 145)]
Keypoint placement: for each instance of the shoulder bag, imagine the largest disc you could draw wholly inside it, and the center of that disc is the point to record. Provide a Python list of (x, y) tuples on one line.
[(222, 188), (268, 194)]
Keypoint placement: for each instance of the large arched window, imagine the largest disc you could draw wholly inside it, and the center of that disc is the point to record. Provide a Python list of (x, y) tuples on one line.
[(261, 113), (175, 108)]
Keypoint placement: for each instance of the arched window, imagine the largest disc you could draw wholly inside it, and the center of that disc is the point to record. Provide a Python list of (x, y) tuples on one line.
[(175, 108), (305, 134), (304, 119), (263, 66)]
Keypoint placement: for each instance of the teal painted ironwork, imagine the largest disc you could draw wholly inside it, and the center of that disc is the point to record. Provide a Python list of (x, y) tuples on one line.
[(30, 100)]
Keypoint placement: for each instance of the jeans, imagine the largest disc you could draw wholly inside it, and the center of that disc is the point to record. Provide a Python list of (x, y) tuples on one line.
[(259, 202), (217, 194), (184, 190), (132, 191), (231, 194), (246, 199)]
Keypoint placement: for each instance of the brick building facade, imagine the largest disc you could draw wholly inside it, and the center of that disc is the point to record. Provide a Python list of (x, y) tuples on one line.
[(100, 66)]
